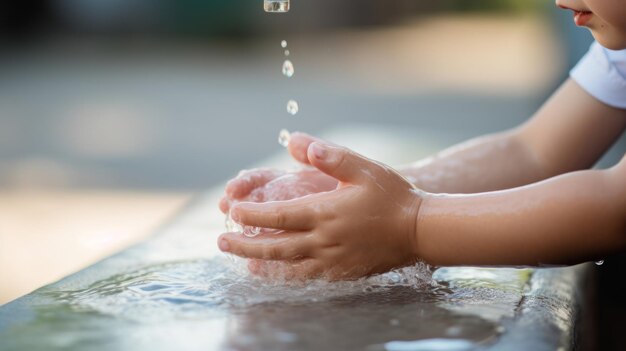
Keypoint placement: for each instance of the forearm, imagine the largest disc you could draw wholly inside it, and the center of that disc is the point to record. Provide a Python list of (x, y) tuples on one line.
[(570, 132), (571, 218), (489, 163)]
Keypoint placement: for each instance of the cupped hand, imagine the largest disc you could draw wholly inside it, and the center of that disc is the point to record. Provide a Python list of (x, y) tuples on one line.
[(363, 227), (261, 184)]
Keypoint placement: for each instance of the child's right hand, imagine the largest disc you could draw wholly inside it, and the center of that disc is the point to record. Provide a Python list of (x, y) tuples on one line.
[(249, 184)]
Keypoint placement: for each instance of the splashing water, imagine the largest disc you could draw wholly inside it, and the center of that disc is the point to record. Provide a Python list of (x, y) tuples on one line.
[(286, 187), (292, 107), (284, 137), (278, 6), (288, 69), (199, 288)]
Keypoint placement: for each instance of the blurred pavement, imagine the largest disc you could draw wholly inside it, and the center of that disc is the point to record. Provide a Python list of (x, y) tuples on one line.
[(184, 115)]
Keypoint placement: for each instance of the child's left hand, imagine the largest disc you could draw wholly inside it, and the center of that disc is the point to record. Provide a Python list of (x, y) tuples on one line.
[(365, 226)]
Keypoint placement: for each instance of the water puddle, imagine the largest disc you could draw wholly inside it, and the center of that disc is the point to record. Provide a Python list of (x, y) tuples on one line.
[(214, 304)]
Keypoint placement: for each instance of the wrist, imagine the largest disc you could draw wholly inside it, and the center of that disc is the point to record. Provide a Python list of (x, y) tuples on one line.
[(417, 175), (420, 202)]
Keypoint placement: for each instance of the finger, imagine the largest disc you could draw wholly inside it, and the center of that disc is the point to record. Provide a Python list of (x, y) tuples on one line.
[(249, 180), (343, 164), (298, 146), (286, 270), (286, 246), (296, 214), (224, 205)]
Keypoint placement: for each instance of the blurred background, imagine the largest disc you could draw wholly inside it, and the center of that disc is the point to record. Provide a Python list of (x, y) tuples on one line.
[(114, 112)]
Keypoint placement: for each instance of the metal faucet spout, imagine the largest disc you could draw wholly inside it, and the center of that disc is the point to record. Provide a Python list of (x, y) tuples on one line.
[(276, 6)]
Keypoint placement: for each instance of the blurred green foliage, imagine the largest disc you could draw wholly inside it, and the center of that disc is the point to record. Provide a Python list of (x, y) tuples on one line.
[(225, 17)]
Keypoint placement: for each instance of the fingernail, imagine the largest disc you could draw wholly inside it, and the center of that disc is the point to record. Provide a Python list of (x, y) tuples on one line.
[(223, 245), (319, 151)]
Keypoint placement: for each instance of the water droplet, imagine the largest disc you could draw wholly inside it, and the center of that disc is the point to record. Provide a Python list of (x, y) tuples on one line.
[(292, 107), (283, 137), (283, 44), (287, 53), (288, 69), (600, 263)]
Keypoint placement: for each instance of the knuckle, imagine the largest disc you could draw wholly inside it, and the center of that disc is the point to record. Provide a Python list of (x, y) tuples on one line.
[(272, 253), (342, 159), (279, 220), (324, 212)]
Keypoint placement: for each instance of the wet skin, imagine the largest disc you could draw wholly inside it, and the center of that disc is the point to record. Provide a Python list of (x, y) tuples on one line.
[(374, 219), (521, 197)]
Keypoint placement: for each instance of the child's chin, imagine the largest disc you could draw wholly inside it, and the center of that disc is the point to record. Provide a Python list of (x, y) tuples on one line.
[(611, 42)]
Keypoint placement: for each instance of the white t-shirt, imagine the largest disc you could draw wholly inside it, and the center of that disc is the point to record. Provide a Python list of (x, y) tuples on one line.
[(602, 73)]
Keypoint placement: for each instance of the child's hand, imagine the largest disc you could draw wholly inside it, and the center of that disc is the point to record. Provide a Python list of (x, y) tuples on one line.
[(264, 184), (365, 226), (249, 185)]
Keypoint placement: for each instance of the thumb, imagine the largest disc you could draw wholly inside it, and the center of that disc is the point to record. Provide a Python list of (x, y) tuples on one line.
[(342, 164), (298, 146)]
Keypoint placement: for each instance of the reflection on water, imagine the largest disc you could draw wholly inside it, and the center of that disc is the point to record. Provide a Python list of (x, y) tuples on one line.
[(211, 304)]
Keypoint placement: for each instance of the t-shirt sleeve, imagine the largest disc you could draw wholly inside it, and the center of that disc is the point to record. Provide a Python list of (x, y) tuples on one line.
[(602, 73)]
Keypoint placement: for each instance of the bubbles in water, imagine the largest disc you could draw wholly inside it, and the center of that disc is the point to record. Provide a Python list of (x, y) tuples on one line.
[(394, 278), (288, 69), (283, 44), (292, 107), (287, 53), (284, 137), (276, 6), (600, 263)]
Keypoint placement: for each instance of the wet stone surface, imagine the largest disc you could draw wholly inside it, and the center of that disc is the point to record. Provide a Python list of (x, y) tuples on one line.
[(211, 304)]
